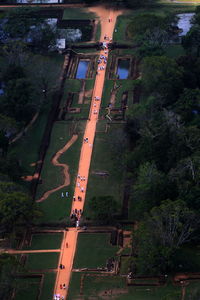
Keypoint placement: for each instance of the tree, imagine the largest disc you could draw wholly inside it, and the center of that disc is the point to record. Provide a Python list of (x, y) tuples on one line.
[(188, 104), (173, 222), (162, 232), (152, 42), (16, 208), (16, 55), (103, 208), (151, 187), (19, 21), (25, 25), (8, 127), (18, 100), (162, 75), (191, 42)]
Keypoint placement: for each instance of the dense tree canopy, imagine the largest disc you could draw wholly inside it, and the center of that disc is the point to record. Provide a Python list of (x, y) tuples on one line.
[(163, 76), (164, 230)]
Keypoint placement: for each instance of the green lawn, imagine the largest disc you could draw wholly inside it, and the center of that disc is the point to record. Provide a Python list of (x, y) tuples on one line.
[(27, 286), (40, 261), (125, 264), (93, 250), (51, 175), (48, 286), (108, 156), (121, 25), (96, 286), (56, 208), (77, 14), (46, 241), (30, 143), (74, 286)]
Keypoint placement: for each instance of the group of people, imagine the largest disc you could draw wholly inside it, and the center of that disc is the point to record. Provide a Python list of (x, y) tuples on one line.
[(58, 297), (97, 98), (63, 286), (82, 178), (106, 38), (86, 140), (76, 214), (79, 198)]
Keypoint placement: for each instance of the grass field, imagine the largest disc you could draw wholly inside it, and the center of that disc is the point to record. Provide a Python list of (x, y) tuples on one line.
[(48, 286), (124, 264), (40, 261), (52, 212), (30, 143), (46, 241), (116, 288), (27, 286), (93, 250), (108, 156), (77, 14)]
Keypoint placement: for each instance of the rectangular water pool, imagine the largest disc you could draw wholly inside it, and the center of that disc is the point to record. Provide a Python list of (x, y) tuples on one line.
[(82, 69), (123, 68)]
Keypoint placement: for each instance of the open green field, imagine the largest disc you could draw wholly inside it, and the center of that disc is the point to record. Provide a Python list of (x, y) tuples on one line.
[(78, 14), (52, 176), (108, 156), (28, 287), (94, 285), (45, 241), (125, 264), (40, 261), (93, 250), (32, 139), (48, 286)]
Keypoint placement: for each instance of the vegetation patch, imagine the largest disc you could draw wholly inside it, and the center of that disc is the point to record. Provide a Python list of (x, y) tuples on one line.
[(93, 250)]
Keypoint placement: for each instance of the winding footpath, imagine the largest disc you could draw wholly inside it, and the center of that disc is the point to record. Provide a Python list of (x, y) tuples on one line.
[(65, 167), (68, 248)]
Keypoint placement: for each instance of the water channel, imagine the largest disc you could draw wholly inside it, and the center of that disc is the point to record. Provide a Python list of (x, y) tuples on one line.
[(82, 69), (123, 68)]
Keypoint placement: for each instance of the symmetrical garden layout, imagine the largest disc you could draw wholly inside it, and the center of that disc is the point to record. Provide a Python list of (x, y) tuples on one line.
[(65, 256)]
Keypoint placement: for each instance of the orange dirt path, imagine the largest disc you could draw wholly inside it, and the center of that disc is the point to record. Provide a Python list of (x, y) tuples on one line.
[(65, 167), (70, 238), (11, 251)]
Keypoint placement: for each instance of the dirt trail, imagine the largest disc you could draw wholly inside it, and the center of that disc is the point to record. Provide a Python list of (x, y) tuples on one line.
[(107, 19), (65, 167), (11, 251)]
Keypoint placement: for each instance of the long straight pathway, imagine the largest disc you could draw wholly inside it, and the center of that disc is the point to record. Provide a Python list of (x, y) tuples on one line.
[(108, 19)]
